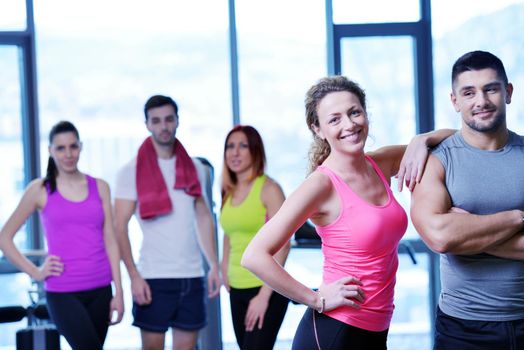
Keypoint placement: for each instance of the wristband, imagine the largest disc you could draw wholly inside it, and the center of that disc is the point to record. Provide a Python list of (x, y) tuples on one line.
[(322, 304)]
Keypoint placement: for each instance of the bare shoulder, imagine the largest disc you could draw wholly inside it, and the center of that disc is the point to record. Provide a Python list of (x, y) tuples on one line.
[(271, 186), (36, 188), (316, 187), (103, 187), (35, 194), (36, 185), (319, 180), (312, 197)]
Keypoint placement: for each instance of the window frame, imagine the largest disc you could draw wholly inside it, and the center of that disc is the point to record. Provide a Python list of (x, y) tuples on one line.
[(24, 40)]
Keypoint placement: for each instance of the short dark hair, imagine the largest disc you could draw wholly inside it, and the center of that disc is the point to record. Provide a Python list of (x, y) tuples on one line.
[(159, 101), (477, 60)]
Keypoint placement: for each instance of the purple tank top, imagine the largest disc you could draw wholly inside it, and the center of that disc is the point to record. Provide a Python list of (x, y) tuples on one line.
[(75, 232)]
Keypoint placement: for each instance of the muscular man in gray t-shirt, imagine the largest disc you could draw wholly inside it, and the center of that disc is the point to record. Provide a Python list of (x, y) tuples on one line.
[(482, 286), (469, 207)]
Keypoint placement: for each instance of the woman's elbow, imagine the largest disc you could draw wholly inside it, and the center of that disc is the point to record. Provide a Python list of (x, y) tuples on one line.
[(3, 242), (248, 260)]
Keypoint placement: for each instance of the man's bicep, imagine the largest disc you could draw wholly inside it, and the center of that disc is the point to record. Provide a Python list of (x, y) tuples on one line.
[(430, 197)]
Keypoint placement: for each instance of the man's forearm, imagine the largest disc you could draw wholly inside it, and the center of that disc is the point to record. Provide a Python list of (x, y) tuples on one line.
[(206, 233), (125, 251), (459, 233), (513, 248)]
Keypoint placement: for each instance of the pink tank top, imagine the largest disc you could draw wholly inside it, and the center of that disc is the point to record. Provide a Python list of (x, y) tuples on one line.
[(362, 242), (75, 232)]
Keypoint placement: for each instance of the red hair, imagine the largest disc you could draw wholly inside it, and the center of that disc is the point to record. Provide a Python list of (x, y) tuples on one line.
[(258, 155)]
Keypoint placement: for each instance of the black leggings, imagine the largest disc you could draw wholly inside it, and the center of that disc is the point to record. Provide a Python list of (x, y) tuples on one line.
[(257, 339), (335, 335), (81, 317)]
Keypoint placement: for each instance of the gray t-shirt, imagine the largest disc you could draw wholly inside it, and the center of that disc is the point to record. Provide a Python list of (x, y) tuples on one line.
[(482, 286)]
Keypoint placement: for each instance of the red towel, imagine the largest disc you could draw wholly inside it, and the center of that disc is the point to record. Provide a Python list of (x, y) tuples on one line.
[(153, 197)]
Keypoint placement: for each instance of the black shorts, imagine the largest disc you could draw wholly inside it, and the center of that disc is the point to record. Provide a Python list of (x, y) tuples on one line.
[(176, 302), (453, 333)]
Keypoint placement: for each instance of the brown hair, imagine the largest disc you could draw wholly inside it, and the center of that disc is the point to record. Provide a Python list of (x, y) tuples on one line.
[(258, 155), (52, 171), (320, 149)]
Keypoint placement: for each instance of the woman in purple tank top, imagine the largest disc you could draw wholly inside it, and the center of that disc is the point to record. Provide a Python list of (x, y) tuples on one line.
[(348, 197), (83, 256)]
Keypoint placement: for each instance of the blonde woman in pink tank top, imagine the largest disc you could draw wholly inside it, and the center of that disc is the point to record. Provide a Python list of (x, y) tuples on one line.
[(348, 197), (83, 257)]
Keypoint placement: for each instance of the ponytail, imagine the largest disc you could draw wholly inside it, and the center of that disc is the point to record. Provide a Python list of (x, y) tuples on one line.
[(318, 152), (50, 177)]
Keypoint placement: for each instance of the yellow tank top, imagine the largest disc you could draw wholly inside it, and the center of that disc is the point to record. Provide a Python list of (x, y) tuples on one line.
[(241, 223)]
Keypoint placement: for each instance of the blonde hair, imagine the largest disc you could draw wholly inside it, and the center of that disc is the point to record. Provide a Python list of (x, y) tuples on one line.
[(320, 149)]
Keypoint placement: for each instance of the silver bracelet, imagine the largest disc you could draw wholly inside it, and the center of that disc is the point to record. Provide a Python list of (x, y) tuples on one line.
[(322, 303)]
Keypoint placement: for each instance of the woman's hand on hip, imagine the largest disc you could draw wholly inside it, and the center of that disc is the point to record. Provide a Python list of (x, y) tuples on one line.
[(52, 266), (345, 291)]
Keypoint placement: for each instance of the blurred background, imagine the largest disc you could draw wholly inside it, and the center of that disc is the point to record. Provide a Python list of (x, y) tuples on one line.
[(96, 62)]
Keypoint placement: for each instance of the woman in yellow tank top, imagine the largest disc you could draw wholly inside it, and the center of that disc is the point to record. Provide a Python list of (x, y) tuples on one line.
[(249, 199)]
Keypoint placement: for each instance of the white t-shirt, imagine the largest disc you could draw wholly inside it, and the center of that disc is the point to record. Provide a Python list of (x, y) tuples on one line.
[(170, 246)]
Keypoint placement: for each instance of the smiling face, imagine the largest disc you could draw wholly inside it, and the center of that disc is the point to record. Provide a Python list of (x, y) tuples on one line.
[(342, 122), (237, 154), (481, 97), (162, 123), (65, 150)]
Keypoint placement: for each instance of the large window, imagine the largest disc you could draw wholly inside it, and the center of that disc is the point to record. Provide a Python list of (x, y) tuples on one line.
[(15, 111), (11, 144), (12, 15), (280, 56), (375, 11), (98, 62)]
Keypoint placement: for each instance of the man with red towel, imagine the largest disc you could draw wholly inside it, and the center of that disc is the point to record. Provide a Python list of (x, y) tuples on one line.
[(162, 187)]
